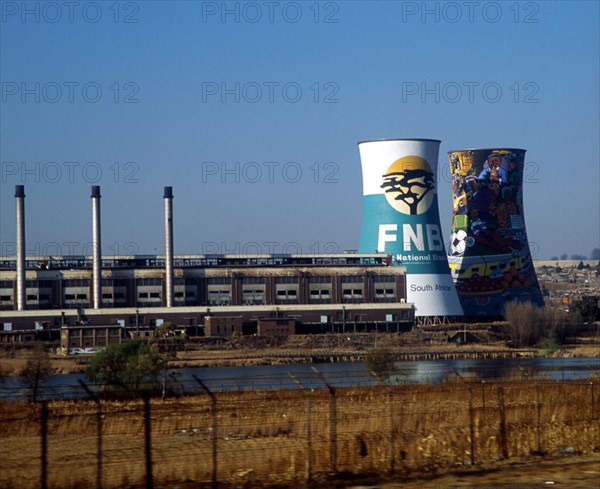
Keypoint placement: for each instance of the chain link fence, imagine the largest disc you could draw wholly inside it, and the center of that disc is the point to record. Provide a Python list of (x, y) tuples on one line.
[(290, 436)]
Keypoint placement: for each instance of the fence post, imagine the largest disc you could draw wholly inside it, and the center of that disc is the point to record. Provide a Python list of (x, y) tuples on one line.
[(308, 427), (44, 430), (538, 409), (332, 421), (502, 434), (96, 399), (392, 430), (214, 426), (483, 398), (592, 406), (472, 426), (148, 441)]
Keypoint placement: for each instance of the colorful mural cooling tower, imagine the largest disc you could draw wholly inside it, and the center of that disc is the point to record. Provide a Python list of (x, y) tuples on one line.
[(400, 217), (489, 254)]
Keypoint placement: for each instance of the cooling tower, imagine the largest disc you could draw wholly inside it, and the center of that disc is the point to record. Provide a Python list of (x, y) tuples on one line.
[(489, 253), (400, 217)]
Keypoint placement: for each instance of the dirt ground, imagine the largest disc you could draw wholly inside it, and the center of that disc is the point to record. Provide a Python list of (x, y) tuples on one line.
[(576, 472)]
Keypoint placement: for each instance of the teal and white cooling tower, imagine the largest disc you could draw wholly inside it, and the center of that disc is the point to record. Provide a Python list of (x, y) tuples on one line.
[(400, 217)]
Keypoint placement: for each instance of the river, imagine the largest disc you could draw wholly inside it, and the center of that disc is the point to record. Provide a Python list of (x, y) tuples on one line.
[(334, 374)]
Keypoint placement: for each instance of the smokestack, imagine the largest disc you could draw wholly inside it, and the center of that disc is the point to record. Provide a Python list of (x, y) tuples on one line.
[(20, 222), (168, 196), (96, 249)]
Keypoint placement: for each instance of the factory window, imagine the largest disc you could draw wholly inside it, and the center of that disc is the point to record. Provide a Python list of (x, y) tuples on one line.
[(190, 294), (255, 296), (320, 279), (76, 283), (320, 296), (154, 295), (5, 297), (44, 297), (384, 293), (149, 281), (107, 296), (82, 296), (352, 278), (143, 295), (119, 295), (219, 297), (352, 295), (286, 296), (69, 297), (218, 281), (31, 297), (286, 280), (107, 281), (179, 294), (6, 284), (385, 278), (253, 280)]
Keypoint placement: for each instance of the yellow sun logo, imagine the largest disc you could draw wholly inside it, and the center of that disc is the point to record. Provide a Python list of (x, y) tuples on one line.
[(409, 185)]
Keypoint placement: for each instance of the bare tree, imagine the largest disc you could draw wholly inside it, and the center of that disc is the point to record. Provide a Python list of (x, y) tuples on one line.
[(523, 320), (164, 345), (36, 370), (381, 363), (528, 324)]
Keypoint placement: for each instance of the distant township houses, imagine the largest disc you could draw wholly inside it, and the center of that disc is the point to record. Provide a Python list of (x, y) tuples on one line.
[(576, 277)]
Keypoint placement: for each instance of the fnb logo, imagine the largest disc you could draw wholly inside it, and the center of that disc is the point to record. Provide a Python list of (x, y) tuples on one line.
[(428, 239)]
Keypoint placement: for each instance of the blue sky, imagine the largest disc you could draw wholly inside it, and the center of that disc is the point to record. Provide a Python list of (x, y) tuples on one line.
[(252, 112)]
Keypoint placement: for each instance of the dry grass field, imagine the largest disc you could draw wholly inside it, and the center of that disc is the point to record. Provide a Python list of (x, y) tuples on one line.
[(286, 438)]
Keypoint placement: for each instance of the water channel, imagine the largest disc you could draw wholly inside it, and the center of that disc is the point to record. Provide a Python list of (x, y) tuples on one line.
[(336, 375)]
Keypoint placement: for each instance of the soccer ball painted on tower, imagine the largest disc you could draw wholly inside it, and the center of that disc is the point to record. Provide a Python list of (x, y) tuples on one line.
[(458, 242)]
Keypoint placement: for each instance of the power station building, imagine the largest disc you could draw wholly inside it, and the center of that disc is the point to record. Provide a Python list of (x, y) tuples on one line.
[(277, 293), (319, 293)]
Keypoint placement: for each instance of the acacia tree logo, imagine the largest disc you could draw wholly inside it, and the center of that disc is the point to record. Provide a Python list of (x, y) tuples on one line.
[(409, 185)]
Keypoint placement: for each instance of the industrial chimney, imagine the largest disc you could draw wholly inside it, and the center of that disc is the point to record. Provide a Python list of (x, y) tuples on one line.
[(168, 196), (20, 221), (96, 249)]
